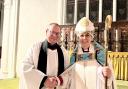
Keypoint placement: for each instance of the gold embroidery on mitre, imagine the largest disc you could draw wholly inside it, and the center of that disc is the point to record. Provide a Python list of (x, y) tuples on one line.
[(84, 22)]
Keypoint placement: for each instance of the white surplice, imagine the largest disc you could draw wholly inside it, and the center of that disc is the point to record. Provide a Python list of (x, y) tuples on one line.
[(30, 76), (86, 75)]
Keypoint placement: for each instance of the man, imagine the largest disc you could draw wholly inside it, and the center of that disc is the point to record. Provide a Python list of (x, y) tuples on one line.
[(44, 62), (87, 69)]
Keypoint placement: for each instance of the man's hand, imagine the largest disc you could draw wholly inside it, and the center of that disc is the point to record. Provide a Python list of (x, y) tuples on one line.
[(50, 82)]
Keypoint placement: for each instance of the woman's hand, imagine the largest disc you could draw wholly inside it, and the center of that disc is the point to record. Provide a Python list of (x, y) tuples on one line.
[(50, 82), (107, 72)]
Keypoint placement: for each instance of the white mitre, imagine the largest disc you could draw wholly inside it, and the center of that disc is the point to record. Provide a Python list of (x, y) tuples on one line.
[(84, 25)]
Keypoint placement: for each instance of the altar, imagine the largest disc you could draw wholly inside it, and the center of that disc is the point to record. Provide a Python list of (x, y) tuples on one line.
[(120, 64), (118, 44)]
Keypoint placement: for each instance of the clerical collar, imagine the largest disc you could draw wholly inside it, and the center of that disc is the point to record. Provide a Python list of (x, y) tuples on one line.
[(52, 46), (85, 50)]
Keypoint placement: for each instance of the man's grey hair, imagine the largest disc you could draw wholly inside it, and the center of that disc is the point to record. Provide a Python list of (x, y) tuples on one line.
[(54, 24)]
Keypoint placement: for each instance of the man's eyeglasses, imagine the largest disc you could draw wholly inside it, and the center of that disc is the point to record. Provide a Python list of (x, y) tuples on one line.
[(54, 33)]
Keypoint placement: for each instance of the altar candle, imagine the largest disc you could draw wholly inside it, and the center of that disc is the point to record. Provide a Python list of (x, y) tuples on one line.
[(71, 35), (116, 35), (63, 34)]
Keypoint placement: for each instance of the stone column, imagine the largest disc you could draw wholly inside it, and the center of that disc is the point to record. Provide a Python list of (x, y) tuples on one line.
[(10, 35)]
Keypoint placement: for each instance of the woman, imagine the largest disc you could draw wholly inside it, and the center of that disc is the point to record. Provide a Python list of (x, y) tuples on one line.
[(87, 70)]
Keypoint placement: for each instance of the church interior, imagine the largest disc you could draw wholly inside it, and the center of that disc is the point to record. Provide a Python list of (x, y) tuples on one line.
[(95, 10)]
